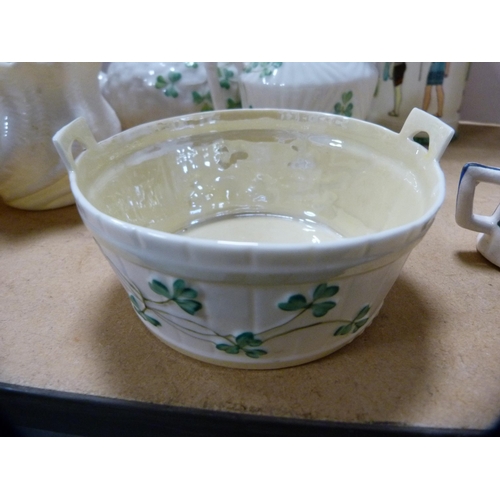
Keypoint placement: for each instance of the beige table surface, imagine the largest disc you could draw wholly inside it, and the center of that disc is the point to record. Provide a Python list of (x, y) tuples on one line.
[(431, 358)]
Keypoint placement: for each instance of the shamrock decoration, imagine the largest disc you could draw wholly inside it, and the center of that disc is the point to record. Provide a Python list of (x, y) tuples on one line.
[(345, 107), (181, 295), (265, 68), (169, 83), (319, 309), (141, 313), (242, 343), (354, 325)]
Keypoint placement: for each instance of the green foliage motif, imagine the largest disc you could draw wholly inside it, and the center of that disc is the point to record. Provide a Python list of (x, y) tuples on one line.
[(263, 68), (354, 325), (319, 309), (247, 343), (345, 107), (168, 83)]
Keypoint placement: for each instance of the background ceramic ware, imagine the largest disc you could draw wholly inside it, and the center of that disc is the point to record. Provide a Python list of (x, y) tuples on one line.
[(488, 241), (344, 88), (141, 92), (348, 200), (36, 100), (434, 87)]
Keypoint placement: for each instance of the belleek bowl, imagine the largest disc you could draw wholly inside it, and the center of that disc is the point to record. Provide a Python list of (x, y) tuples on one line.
[(257, 238)]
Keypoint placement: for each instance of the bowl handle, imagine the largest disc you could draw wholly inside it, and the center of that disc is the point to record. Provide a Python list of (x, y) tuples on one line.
[(79, 131), (440, 134)]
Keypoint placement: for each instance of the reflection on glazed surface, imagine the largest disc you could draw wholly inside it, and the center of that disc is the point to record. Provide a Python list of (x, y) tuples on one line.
[(261, 228), (336, 182)]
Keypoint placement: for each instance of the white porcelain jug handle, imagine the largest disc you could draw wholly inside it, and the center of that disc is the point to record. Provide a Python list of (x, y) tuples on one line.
[(439, 133), (212, 69), (76, 131), (472, 174)]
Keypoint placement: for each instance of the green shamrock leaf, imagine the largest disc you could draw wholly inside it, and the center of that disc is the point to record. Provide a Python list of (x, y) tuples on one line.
[(135, 303), (141, 313), (343, 330), (179, 287), (160, 82), (232, 104), (151, 320), (197, 97), (189, 306), (294, 303), (359, 324), (174, 76), (182, 295), (247, 339), (159, 288), (324, 291), (321, 308), (362, 313), (171, 92), (230, 349), (346, 97), (255, 353), (354, 325)]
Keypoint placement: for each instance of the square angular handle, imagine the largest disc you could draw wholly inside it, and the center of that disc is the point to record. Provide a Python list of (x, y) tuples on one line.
[(439, 133), (472, 174)]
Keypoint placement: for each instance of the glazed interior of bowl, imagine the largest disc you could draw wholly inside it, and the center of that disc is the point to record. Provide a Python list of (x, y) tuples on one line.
[(261, 176)]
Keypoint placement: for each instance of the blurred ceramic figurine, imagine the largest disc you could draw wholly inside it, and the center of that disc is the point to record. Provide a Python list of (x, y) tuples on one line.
[(36, 100), (345, 88), (435, 87)]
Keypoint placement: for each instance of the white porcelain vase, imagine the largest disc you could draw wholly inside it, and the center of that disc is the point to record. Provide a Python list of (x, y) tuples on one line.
[(36, 100)]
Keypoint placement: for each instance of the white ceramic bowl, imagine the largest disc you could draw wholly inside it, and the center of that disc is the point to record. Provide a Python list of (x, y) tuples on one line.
[(257, 238)]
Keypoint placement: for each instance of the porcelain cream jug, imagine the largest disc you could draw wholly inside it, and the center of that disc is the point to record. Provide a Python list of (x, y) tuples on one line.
[(36, 100), (344, 88), (488, 226)]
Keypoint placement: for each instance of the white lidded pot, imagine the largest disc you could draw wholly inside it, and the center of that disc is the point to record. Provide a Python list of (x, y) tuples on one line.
[(257, 238), (141, 92), (343, 88)]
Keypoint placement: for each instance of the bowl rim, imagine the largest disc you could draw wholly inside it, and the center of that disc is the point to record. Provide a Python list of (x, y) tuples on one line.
[(376, 243)]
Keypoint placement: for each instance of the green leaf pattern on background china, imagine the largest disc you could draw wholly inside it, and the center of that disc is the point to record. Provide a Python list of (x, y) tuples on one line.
[(204, 99), (168, 85), (228, 77), (263, 68), (345, 107)]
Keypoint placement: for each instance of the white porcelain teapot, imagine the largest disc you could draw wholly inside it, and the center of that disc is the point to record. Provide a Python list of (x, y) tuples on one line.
[(345, 88), (36, 100)]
